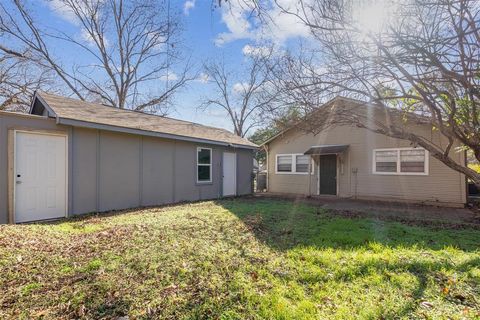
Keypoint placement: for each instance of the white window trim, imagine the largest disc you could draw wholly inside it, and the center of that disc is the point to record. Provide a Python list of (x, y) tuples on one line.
[(399, 173), (205, 165), (294, 163)]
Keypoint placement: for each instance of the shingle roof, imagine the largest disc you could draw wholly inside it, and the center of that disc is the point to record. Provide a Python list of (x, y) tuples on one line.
[(77, 110)]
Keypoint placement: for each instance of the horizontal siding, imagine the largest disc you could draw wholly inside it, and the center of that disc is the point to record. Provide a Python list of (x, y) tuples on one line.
[(441, 185), (292, 183)]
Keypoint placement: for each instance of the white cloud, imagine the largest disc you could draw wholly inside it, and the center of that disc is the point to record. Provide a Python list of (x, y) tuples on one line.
[(63, 11), (187, 6), (171, 76), (240, 87), (235, 17), (242, 24), (202, 78), (250, 50), (87, 37)]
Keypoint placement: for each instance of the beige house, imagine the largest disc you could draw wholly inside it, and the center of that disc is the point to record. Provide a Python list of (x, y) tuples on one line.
[(348, 161)]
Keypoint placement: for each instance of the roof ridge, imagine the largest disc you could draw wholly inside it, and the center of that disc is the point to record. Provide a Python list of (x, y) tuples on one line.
[(327, 104), (130, 110)]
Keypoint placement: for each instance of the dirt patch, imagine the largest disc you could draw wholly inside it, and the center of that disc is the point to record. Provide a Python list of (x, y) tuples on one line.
[(435, 224), (410, 214)]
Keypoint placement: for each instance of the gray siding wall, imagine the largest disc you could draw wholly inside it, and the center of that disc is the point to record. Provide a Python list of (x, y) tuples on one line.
[(14, 121), (442, 185), (158, 185), (117, 171), (109, 171), (119, 185), (84, 170), (244, 171)]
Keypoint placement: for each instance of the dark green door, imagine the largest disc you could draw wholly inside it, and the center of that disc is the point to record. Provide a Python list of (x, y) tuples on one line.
[(328, 174)]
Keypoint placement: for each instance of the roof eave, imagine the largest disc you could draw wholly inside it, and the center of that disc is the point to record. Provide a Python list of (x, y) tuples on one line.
[(329, 102), (93, 125), (296, 123)]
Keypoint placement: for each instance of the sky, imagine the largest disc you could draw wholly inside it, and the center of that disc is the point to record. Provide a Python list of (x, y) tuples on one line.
[(228, 33), (207, 33)]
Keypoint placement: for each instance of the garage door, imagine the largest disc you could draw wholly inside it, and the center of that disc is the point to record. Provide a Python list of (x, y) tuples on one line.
[(40, 176)]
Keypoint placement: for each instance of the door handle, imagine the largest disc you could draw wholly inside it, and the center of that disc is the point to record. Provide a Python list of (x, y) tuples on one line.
[(18, 181)]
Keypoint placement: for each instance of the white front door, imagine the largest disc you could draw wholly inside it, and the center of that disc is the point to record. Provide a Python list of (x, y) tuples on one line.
[(40, 176), (229, 174)]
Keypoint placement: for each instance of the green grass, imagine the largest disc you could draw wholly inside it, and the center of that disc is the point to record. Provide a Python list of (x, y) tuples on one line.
[(238, 259)]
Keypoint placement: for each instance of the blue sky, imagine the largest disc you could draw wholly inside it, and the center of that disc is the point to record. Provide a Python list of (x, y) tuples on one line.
[(207, 33)]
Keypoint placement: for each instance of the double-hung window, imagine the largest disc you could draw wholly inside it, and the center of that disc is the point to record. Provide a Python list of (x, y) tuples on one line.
[(204, 165), (293, 163), (400, 161)]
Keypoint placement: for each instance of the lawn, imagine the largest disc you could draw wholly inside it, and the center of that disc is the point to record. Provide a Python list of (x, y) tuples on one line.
[(239, 259)]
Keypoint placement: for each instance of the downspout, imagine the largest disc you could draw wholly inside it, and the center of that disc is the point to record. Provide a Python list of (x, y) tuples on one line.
[(465, 179), (310, 176), (268, 168)]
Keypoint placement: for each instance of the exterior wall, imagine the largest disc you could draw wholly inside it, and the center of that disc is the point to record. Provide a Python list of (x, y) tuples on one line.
[(84, 144), (119, 185), (244, 166), (158, 185), (116, 171), (15, 121), (442, 185), (109, 170)]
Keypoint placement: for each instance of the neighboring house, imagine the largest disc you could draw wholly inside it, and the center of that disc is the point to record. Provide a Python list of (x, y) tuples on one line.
[(348, 161), (69, 157)]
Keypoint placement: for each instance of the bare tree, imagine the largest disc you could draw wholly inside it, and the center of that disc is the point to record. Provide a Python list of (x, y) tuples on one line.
[(18, 81), (423, 62), (242, 96), (132, 46)]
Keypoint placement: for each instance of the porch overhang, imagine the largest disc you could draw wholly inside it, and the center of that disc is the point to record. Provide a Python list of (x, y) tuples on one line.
[(327, 149)]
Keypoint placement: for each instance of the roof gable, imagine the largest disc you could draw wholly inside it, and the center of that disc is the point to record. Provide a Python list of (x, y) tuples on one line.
[(348, 106)]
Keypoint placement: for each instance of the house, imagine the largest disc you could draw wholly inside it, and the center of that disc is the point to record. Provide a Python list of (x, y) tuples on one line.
[(69, 157), (349, 161)]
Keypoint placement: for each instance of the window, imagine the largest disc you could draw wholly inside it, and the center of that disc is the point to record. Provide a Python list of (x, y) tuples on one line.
[(293, 163), (386, 160), (204, 165), (301, 163), (412, 160), (284, 163), (402, 161)]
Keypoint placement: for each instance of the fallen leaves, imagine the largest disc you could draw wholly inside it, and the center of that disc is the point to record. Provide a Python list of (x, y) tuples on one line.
[(220, 259)]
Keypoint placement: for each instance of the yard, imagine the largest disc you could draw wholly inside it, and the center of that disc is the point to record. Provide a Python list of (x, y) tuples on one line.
[(240, 259)]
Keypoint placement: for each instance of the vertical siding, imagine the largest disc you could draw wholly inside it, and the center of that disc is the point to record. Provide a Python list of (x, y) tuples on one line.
[(441, 185), (110, 170), (10, 121), (185, 159), (244, 171), (119, 171), (158, 175), (84, 171)]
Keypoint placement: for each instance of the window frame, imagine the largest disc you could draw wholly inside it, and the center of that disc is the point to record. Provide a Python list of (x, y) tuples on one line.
[(399, 172), (204, 165), (294, 164)]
